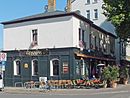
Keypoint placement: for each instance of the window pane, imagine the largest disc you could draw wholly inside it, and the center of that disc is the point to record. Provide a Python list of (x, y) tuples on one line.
[(35, 67), (95, 13), (34, 36), (18, 67), (55, 67), (80, 35), (88, 14), (95, 1), (88, 1)]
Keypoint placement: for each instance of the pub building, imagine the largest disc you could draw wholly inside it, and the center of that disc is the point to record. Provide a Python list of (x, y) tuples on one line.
[(55, 44)]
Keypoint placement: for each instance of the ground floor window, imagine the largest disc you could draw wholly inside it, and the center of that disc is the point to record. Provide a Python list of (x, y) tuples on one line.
[(34, 67), (17, 67), (54, 67)]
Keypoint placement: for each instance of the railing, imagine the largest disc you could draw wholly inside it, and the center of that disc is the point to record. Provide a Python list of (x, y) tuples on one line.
[(61, 84)]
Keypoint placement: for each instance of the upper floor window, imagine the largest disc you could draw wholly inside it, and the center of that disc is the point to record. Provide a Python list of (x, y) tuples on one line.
[(82, 43), (34, 38), (95, 13), (17, 67), (95, 1), (81, 34), (87, 1), (88, 14), (34, 67)]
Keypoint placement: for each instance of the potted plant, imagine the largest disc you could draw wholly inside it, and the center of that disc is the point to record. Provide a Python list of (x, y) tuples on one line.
[(114, 74), (124, 75), (105, 76), (110, 75)]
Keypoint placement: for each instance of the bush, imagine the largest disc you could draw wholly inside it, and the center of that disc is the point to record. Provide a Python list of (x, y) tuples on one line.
[(110, 73)]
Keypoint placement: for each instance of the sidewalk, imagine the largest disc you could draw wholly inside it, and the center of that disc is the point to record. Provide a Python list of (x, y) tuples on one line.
[(22, 90)]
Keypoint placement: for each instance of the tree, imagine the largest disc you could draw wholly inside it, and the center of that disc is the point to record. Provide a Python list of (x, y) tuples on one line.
[(118, 12)]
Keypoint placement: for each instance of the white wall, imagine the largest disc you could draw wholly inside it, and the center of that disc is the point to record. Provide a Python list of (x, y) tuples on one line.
[(101, 21), (76, 26), (56, 33)]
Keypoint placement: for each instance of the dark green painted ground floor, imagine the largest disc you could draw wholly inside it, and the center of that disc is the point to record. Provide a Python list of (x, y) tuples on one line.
[(61, 63)]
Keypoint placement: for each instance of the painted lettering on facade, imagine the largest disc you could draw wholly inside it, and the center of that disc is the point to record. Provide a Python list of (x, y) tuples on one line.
[(36, 53)]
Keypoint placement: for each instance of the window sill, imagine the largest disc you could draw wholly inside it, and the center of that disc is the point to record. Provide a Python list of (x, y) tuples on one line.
[(17, 75), (34, 75), (95, 19), (94, 2), (87, 3)]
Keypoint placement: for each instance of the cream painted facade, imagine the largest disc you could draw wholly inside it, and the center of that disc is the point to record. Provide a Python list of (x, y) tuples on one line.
[(52, 33), (86, 7)]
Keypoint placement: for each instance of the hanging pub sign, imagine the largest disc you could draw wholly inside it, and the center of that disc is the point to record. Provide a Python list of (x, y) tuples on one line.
[(3, 56)]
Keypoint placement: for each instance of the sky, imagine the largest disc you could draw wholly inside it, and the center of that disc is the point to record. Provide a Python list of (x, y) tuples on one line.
[(13, 9)]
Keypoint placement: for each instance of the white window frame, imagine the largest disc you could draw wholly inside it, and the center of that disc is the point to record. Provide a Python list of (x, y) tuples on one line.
[(96, 14), (15, 67), (51, 66), (34, 41), (88, 14)]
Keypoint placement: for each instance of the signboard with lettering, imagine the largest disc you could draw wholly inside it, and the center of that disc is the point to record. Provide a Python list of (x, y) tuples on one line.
[(36, 52), (3, 57), (65, 67)]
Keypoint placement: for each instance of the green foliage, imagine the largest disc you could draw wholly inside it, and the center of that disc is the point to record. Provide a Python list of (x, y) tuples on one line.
[(110, 73), (118, 12), (114, 73), (106, 74), (124, 72)]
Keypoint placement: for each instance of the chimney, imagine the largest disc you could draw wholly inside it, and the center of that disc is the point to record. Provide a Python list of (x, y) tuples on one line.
[(68, 5), (51, 5)]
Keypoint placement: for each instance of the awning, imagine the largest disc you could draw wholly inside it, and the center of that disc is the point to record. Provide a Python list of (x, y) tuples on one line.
[(93, 57)]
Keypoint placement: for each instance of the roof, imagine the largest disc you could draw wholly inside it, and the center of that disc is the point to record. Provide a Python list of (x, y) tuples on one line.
[(44, 16), (37, 16), (54, 15)]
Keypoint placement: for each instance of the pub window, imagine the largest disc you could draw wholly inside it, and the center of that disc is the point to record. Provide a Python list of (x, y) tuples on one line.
[(95, 42), (54, 67), (88, 14), (87, 1), (34, 36), (17, 67), (95, 13), (34, 67), (81, 34)]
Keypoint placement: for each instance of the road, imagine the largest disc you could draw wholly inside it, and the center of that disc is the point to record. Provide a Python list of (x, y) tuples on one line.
[(98, 95)]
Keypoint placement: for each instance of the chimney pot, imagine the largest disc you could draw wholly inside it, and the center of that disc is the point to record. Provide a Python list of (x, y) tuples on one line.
[(51, 5)]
